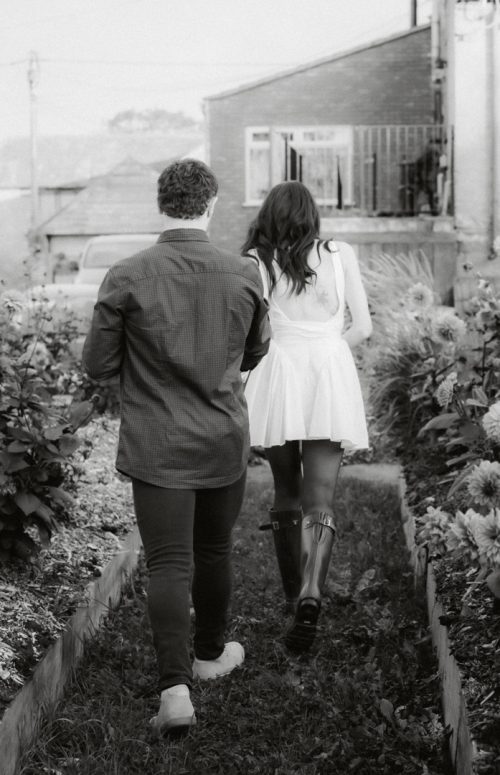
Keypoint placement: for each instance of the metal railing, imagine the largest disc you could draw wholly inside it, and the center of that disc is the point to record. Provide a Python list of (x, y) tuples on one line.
[(400, 170)]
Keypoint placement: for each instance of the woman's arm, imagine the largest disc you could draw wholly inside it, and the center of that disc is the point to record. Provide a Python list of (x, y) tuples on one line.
[(355, 297)]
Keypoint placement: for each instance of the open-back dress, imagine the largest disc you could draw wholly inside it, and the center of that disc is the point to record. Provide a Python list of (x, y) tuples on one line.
[(307, 386)]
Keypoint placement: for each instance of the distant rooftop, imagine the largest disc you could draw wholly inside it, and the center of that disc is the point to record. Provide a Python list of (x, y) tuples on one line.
[(123, 201), (71, 160)]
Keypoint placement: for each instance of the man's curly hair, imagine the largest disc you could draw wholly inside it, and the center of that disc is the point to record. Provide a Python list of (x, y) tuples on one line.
[(185, 189)]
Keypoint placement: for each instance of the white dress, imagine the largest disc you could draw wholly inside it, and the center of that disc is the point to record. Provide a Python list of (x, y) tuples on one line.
[(307, 386)]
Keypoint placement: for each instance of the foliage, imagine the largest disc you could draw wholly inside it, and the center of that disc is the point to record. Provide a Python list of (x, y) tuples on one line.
[(38, 599), (151, 120), (436, 390), (37, 427)]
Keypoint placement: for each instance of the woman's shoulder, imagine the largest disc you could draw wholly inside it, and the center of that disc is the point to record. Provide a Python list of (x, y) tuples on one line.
[(334, 246), (344, 250)]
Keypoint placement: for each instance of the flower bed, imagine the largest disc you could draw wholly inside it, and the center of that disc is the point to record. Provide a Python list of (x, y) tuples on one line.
[(435, 389), (38, 599)]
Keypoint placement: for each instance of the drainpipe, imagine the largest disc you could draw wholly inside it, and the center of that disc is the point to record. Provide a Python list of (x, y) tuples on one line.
[(494, 52)]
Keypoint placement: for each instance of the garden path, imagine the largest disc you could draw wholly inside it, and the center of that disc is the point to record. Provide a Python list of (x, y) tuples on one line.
[(365, 700)]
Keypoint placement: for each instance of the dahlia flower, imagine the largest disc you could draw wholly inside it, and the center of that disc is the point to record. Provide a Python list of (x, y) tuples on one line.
[(491, 422), (487, 535), (448, 327), (483, 483), (444, 392), (460, 536), (420, 295), (434, 529)]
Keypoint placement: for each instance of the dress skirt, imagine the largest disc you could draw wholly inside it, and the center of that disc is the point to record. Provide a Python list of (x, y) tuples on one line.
[(306, 387)]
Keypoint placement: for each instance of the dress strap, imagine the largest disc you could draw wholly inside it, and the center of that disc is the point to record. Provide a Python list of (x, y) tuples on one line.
[(338, 270)]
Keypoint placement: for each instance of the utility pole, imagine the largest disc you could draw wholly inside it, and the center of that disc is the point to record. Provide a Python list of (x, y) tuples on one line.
[(413, 13), (33, 81)]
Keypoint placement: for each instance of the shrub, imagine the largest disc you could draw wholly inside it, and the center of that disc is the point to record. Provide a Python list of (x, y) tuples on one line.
[(37, 429), (435, 388)]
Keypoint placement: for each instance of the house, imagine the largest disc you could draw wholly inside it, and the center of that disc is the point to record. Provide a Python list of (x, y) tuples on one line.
[(65, 165), (362, 130), (120, 202), (466, 64)]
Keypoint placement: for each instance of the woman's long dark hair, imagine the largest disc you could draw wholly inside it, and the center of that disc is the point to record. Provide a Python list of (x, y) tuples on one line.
[(285, 228)]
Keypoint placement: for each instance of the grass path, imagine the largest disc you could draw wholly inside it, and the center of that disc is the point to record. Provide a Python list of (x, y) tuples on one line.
[(364, 701)]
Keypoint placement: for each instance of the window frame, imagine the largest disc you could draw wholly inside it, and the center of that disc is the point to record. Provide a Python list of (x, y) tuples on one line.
[(300, 131)]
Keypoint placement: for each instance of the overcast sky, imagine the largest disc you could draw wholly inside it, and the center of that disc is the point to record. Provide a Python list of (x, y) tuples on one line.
[(98, 57)]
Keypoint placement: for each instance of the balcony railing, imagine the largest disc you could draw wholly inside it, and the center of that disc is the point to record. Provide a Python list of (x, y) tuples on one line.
[(400, 170)]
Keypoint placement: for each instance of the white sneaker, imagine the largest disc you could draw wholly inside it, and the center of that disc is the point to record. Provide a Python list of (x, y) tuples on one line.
[(176, 713), (232, 656)]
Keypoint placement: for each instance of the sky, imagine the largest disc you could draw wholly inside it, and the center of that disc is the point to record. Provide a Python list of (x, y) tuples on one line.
[(99, 57)]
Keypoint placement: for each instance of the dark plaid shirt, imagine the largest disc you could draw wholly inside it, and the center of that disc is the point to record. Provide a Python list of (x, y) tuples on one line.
[(178, 322)]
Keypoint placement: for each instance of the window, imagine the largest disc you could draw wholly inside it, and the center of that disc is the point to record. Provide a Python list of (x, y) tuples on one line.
[(320, 157)]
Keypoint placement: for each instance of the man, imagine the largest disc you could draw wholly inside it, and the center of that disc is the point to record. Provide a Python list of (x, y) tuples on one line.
[(178, 322)]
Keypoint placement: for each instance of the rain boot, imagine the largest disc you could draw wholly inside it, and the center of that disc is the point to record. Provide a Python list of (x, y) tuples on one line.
[(286, 527), (317, 538)]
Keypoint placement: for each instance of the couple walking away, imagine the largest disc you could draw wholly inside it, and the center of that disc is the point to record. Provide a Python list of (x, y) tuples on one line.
[(180, 322)]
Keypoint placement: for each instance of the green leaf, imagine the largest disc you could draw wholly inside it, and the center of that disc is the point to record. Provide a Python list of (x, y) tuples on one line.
[(27, 502), (17, 446), (473, 402), (54, 432), (25, 547), (20, 433), (61, 496), (80, 413), (16, 464), (387, 709), (471, 430), (441, 422), (45, 513), (493, 582), (68, 444), (45, 534)]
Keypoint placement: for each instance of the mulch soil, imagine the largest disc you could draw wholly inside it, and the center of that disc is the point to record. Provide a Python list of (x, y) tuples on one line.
[(365, 699)]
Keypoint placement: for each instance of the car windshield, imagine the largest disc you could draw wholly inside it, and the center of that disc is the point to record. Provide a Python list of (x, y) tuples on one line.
[(103, 256)]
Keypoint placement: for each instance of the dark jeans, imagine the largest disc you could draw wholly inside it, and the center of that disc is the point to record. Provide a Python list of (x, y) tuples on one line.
[(180, 528)]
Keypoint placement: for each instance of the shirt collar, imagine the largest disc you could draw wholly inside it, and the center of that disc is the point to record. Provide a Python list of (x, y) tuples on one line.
[(183, 235)]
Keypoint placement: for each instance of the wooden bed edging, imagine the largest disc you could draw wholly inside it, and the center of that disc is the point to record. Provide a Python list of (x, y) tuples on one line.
[(463, 749), (20, 722)]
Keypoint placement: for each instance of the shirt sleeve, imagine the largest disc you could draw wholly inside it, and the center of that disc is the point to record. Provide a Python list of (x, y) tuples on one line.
[(105, 343)]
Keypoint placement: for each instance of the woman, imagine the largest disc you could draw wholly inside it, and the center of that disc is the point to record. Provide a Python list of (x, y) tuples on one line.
[(304, 398)]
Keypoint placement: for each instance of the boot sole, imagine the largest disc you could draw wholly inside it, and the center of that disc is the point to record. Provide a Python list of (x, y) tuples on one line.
[(302, 633)]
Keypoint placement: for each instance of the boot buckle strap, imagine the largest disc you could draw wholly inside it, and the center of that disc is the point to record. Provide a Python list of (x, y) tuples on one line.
[(320, 518)]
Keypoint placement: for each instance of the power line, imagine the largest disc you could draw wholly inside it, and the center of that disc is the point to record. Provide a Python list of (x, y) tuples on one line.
[(151, 63), (15, 62)]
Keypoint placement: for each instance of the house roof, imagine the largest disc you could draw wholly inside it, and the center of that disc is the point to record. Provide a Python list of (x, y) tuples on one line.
[(316, 63), (123, 201), (70, 160)]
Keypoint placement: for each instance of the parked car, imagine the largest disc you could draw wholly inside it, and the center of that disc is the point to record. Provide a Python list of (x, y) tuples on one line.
[(102, 252)]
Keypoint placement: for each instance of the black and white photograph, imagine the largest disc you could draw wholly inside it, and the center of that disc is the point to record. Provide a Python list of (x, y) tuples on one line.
[(250, 387)]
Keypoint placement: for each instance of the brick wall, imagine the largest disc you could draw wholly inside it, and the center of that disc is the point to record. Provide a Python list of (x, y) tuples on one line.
[(389, 83)]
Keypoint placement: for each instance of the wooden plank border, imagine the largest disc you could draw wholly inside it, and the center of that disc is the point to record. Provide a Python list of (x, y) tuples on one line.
[(39, 696), (463, 749)]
